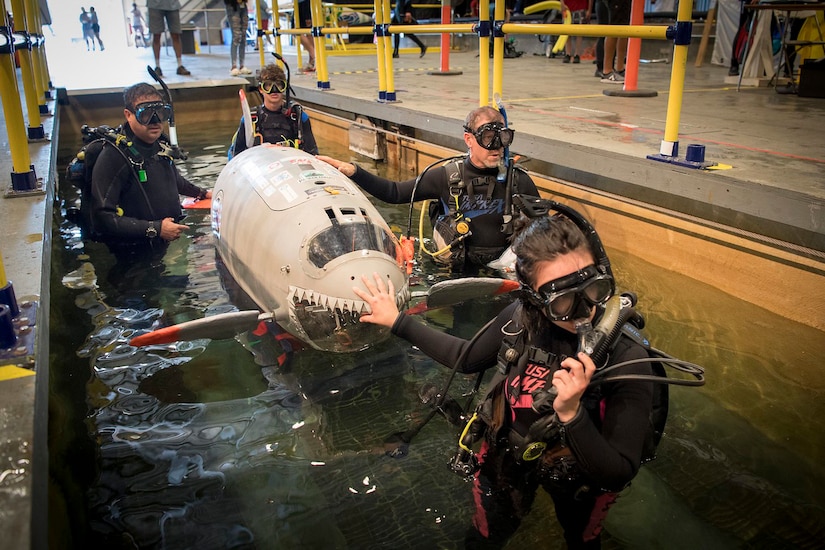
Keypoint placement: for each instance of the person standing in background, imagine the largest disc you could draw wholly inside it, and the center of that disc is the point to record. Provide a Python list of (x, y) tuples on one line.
[(86, 29), (303, 20), (237, 16), (615, 49), (138, 26), (580, 11), (168, 11), (602, 18), (95, 26), (402, 15)]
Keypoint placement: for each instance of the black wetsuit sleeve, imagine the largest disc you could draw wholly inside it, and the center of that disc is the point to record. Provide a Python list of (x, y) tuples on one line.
[(446, 349), (187, 188), (399, 192), (240, 139), (309, 145), (111, 178), (612, 456)]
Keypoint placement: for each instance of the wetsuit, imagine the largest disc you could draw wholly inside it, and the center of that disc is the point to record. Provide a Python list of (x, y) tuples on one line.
[(598, 452), (115, 186), (279, 128), (482, 202)]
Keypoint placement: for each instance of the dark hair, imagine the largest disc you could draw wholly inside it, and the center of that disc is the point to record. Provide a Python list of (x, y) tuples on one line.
[(471, 122), (137, 91), (537, 240), (542, 239)]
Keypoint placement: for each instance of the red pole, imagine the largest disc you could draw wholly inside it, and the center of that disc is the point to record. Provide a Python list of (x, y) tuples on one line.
[(446, 17), (634, 47)]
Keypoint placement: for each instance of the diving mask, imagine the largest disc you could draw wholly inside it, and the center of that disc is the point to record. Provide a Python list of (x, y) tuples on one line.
[(273, 86), (152, 112), (562, 299), (492, 135)]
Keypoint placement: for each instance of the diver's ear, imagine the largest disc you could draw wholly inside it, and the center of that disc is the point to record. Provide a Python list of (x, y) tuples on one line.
[(468, 139)]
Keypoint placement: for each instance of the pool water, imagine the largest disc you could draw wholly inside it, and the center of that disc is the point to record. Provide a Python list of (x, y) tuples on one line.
[(213, 444)]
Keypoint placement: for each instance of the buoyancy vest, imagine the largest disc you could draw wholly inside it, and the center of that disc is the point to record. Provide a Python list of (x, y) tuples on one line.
[(451, 226), (542, 434), (282, 128)]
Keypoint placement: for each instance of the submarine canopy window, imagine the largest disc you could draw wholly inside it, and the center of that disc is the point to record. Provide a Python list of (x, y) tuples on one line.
[(340, 239)]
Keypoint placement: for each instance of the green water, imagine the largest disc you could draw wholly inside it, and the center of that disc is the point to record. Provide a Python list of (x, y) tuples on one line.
[(197, 445)]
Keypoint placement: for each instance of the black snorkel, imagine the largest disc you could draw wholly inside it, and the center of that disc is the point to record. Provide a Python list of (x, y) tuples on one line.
[(277, 56), (175, 152)]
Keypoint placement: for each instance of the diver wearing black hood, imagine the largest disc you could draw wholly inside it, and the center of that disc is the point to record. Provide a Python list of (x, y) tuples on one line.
[(542, 422)]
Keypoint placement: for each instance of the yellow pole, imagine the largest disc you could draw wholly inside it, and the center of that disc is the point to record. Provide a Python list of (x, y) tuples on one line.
[(258, 19), (670, 144), (379, 49), (276, 28), (3, 280), (12, 108), (27, 73), (498, 55), (388, 49), (40, 67), (484, 55), (318, 20)]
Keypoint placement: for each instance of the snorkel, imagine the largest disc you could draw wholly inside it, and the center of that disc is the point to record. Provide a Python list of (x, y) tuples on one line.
[(277, 56), (176, 151), (505, 176)]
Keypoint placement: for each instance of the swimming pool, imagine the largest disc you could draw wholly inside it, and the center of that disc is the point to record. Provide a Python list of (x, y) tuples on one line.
[(207, 444)]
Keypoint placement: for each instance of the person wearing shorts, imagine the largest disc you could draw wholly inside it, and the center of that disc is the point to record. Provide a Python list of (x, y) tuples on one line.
[(165, 14), (616, 47)]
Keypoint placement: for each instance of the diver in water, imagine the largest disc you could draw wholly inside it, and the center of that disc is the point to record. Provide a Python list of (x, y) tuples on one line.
[(279, 120), (542, 423), (134, 200), (473, 193)]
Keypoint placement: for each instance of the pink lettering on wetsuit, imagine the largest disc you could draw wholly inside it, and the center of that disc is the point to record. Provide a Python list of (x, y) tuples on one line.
[(535, 377)]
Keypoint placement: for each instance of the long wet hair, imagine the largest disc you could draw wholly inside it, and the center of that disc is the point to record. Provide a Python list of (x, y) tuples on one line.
[(542, 239)]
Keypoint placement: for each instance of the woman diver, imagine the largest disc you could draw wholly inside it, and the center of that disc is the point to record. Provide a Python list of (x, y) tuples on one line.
[(543, 423)]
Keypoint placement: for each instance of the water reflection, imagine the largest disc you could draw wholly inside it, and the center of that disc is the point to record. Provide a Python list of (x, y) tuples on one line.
[(204, 444)]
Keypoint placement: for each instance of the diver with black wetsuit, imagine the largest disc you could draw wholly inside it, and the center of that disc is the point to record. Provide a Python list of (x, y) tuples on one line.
[(135, 196), (471, 190), (542, 422)]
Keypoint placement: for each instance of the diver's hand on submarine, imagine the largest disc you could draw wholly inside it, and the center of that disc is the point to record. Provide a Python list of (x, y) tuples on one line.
[(169, 230), (571, 380), (381, 299), (346, 168)]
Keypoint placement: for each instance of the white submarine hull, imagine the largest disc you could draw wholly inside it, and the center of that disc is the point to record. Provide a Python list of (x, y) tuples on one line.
[(297, 235)]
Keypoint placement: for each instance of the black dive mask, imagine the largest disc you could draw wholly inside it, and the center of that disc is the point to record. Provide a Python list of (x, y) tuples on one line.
[(152, 112), (572, 296), (492, 135)]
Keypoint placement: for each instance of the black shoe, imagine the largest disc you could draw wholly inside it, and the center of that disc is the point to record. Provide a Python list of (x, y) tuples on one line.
[(733, 71), (395, 55), (576, 59), (599, 74), (182, 71), (158, 71), (566, 59), (423, 52)]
